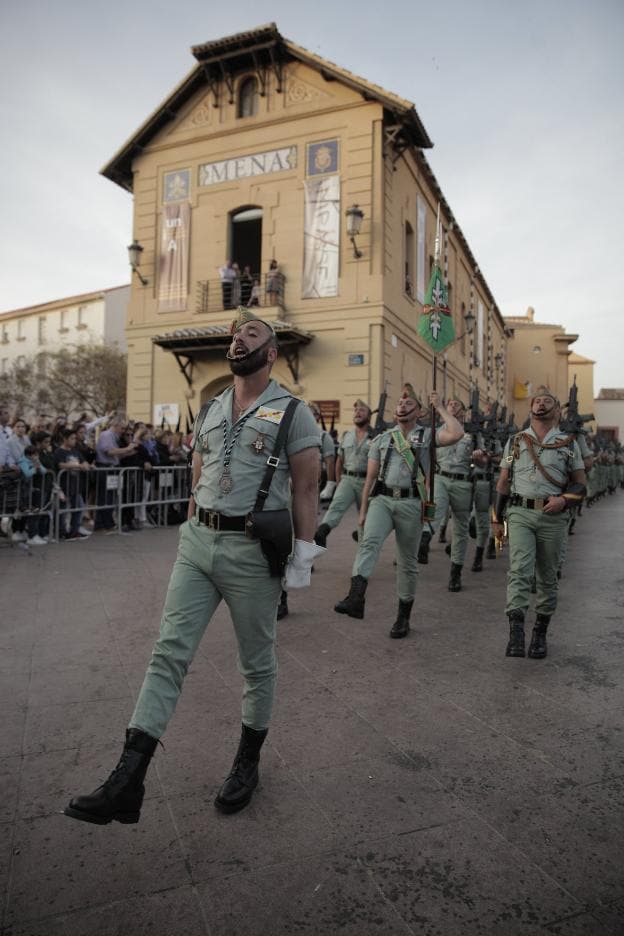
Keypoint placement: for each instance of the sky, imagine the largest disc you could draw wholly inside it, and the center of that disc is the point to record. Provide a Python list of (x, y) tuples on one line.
[(523, 101)]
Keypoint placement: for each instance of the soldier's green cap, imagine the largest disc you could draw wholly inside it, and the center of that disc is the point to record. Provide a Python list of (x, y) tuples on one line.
[(408, 393), (543, 390), (244, 315), (361, 403)]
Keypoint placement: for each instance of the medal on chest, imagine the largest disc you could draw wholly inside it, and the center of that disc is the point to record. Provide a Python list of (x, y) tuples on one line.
[(225, 481), (258, 444)]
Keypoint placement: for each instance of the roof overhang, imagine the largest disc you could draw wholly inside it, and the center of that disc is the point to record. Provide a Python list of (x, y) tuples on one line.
[(261, 50), (213, 340)]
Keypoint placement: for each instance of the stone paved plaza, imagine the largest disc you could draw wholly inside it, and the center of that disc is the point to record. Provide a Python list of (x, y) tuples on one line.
[(424, 786)]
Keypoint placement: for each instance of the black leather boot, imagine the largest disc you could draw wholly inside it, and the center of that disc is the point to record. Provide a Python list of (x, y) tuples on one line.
[(320, 537), (353, 604), (423, 549), (121, 796), (455, 584), (477, 565), (442, 534), (282, 608), (537, 647), (243, 778), (401, 626), (491, 549), (515, 646)]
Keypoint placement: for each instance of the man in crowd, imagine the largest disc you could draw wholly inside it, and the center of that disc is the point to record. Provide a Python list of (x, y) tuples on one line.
[(397, 466), (234, 440), (542, 475), (68, 460), (351, 465), (108, 451)]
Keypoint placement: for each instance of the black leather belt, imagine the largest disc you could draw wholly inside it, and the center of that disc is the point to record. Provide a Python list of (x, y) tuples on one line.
[(355, 474), (455, 477), (483, 477), (397, 492), (218, 521), (531, 503)]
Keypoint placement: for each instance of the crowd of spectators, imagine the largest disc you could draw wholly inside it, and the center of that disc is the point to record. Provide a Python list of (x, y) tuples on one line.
[(53, 460)]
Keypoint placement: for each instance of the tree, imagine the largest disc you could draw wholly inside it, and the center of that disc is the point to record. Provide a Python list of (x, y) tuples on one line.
[(84, 378)]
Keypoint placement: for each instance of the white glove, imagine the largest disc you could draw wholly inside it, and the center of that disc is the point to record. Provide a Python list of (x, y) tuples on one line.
[(328, 491), (299, 566)]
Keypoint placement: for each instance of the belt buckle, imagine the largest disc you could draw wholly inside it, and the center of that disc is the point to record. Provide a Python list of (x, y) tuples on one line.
[(213, 520), (396, 492)]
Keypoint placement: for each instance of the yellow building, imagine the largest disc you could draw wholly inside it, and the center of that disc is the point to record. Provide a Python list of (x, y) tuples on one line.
[(581, 371), (538, 353), (265, 152)]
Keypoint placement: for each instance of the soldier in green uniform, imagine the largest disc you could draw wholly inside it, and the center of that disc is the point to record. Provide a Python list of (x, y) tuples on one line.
[(397, 466), (218, 558), (454, 490), (351, 465), (542, 475)]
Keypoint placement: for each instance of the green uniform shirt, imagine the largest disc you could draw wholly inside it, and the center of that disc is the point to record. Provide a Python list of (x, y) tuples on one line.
[(354, 452), (253, 445), (397, 472), (527, 479), (456, 458)]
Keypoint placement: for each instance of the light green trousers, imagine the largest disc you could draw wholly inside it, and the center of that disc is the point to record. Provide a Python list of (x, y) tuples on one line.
[(458, 496), (535, 540), (348, 491), (211, 566), (384, 515)]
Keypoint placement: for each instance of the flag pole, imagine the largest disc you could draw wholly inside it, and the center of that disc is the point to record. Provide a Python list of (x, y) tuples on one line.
[(432, 441)]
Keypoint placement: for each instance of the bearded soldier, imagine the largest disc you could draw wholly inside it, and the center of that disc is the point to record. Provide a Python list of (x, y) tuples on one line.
[(250, 444), (397, 466), (351, 465), (542, 475)]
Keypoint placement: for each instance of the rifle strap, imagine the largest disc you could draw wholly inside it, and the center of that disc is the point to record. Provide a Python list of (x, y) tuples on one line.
[(530, 443)]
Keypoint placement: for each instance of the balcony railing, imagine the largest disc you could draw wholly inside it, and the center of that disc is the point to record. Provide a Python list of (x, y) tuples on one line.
[(216, 295)]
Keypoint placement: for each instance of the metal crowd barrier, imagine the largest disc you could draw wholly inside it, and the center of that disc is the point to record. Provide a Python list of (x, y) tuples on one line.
[(115, 498), (26, 502)]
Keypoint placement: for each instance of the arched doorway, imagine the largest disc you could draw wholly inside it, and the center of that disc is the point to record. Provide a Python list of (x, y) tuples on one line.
[(215, 387), (246, 239)]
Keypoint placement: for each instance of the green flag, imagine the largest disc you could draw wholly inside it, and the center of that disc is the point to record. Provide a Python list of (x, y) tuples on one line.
[(436, 322)]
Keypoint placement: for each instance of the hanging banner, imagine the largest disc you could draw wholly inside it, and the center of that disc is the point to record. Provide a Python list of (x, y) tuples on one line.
[(174, 258), (321, 237)]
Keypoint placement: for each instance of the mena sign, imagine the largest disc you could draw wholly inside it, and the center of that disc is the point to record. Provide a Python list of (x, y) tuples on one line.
[(242, 167)]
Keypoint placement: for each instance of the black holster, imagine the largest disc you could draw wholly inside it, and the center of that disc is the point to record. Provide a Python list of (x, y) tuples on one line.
[(274, 530)]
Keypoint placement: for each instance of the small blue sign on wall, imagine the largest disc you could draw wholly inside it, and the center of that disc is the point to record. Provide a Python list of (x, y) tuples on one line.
[(322, 157), (355, 359)]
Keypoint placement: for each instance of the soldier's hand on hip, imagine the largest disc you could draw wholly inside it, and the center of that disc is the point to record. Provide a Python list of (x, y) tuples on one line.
[(555, 504)]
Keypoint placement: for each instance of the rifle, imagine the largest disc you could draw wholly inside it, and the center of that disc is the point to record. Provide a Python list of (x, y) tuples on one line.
[(380, 424), (574, 420)]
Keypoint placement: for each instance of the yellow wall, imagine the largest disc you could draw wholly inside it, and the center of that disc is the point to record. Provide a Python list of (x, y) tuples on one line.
[(371, 314)]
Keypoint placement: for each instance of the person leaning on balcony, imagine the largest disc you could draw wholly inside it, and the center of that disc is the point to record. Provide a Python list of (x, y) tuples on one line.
[(235, 436), (273, 284)]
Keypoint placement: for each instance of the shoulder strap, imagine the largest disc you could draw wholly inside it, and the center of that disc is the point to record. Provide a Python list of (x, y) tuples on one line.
[(201, 416), (384, 467), (273, 460), (530, 444)]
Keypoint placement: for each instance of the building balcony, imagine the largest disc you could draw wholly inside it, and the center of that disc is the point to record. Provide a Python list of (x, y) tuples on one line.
[(216, 295)]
